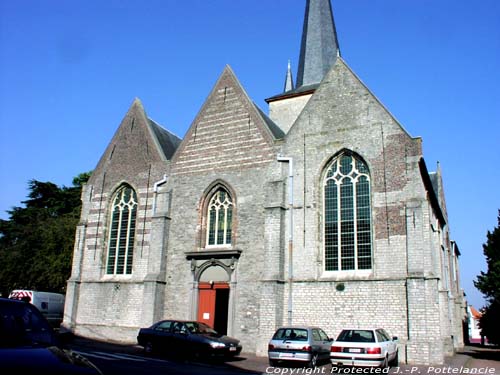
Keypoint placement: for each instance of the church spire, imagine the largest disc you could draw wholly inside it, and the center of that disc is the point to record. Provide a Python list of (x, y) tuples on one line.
[(319, 48), (289, 78)]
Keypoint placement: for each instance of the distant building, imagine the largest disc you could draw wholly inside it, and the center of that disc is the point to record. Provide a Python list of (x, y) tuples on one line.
[(201, 227), (474, 332)]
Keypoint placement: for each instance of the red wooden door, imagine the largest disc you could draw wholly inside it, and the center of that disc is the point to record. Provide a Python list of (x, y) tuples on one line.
[(206, 304), (207, 293)]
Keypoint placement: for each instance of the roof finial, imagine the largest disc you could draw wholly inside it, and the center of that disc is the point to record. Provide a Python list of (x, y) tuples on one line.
[(289, 78), (319, 48)]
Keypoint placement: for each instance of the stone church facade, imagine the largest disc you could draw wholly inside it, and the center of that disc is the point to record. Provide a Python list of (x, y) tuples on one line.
[(322, 212)]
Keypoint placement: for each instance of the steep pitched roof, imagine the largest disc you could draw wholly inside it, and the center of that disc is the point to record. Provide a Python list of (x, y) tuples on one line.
[(230, 131), (275, 129), (433, 197), (138, 141), (476, 314), (289, 86), (319, 48), (167, 140)]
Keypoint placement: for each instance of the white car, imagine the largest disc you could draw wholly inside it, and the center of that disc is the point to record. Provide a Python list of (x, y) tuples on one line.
[(364, 347)]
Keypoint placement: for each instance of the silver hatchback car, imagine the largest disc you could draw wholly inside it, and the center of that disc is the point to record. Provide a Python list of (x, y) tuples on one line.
[(303, 344)]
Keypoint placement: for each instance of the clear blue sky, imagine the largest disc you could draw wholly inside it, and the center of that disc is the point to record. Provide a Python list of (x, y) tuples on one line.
[(69, 70)]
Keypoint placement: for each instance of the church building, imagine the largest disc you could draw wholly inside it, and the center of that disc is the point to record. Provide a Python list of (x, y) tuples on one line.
[(319, 210)]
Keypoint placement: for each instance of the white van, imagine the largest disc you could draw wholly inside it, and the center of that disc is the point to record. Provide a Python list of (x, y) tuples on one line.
[(51, 305)]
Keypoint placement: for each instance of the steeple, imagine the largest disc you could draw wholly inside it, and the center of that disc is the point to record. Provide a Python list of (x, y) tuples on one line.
[(289, 78), (319, 47)]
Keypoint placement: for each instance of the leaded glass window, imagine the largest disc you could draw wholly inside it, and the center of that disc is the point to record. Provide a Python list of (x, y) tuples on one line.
[(122, 232), (348, 244), (219, 219)]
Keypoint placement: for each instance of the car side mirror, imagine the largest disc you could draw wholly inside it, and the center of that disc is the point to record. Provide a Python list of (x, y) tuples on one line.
[(394, 338), (331, 340)]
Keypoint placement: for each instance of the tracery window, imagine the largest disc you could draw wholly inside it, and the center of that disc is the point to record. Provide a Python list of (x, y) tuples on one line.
[(347, 215), (122, 232), (219, 219)]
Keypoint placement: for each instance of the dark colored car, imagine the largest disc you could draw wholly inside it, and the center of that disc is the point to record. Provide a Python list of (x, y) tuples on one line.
[(301, 344), (29, 345), (187, 338)]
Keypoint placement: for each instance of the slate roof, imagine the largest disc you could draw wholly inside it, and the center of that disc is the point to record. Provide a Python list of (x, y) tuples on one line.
[(275, 129), (319, 47), (435, 182), (168, 141), (302, 90)]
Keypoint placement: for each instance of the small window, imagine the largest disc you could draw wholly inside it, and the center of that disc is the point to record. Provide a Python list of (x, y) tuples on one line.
[(356, 336), (180, 328), (164, 326), (316, 336), (323, 335), (291, 334), (380, 336), (385, 335)]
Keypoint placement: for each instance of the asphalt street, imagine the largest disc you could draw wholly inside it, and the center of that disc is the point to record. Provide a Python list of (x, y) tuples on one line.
[(116, 359)]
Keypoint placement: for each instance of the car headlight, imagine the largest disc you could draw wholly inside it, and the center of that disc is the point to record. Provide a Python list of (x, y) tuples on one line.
[(217, 345)]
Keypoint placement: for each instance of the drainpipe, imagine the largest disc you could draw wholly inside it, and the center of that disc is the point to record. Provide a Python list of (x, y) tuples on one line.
[(155, 189), (288, 160)]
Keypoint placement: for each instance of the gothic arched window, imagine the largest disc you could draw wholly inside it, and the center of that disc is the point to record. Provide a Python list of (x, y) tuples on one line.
[(347, 215), (122, 232), (219, 219)]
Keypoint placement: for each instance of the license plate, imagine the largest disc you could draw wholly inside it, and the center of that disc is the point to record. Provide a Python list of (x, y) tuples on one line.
[(232, 349), (287, 355), (354, 350)]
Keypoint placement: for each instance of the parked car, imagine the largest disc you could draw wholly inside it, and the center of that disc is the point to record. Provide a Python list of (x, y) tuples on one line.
[(365, 347), (29, 345), (187, 338), (299, 344), (51, 305)]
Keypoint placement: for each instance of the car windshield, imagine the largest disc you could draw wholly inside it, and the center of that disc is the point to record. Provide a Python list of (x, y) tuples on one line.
[(356, 335), (22, 325), (295, 334), (202, 328)]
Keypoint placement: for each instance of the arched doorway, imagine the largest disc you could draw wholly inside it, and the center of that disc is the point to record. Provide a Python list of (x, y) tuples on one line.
[(213, 298)]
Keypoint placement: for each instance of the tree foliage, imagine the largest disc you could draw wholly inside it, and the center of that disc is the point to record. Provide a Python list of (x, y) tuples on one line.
[(489, 284), (36, 242)]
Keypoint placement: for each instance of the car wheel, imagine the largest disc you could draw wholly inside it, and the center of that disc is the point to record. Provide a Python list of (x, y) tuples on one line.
[(385, 364), (395, 360), (273, 363), (314, 361), (148, 347)]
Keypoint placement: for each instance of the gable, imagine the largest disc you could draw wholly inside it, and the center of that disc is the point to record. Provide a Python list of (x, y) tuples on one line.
[(137, 143), (228, 133), (344, 114), (342, 99)]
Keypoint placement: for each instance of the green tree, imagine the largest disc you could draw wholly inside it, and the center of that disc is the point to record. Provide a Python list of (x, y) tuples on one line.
[(36, 242), (489, 284)]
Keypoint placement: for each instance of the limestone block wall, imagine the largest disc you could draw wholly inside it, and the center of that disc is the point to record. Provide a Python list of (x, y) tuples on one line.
[(249, 237), (110, 308), (96, 298)]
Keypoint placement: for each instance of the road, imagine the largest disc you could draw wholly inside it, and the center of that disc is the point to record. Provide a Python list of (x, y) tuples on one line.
[(115, 359), (123, 360)]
